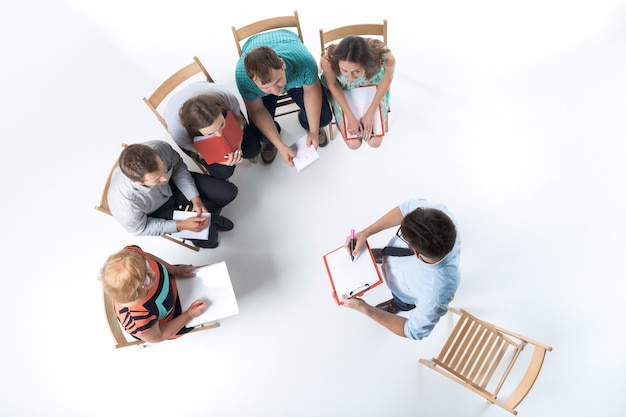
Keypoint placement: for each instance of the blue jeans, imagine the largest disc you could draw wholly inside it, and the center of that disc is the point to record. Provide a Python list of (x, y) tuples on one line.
[(297, 94)]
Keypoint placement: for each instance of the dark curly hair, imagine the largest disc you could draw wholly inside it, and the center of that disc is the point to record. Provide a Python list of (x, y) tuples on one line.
[(429, 231), (365, 51)]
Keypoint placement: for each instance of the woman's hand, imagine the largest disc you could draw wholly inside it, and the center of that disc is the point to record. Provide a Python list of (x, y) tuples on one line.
[(233, 158), (353, 126), (197, 307), (183, 271), (368, 125)]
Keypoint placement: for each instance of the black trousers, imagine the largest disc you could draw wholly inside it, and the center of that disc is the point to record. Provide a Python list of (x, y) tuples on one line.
[(215, 194)]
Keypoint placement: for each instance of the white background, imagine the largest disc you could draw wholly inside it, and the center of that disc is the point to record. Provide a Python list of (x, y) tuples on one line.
[(509, 112)]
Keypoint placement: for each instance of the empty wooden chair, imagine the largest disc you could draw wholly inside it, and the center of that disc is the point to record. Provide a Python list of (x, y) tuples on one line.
[(480, 356)]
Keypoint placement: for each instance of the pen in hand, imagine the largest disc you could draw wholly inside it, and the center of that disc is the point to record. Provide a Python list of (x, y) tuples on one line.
[(352, 244)]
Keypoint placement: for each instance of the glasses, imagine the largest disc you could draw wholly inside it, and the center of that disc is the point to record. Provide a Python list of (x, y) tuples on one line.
[(399, 234), (147, 281)]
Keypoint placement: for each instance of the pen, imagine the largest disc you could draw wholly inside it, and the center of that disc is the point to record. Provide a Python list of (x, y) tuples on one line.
[(352, 244)]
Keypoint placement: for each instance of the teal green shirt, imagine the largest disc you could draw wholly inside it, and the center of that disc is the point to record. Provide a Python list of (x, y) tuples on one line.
[(300, 66)]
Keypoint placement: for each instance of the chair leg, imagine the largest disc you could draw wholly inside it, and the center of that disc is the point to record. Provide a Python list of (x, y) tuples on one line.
[(181, 242)]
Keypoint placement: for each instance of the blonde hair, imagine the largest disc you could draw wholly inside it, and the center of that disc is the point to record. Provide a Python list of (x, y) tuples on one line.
[(122, 275)]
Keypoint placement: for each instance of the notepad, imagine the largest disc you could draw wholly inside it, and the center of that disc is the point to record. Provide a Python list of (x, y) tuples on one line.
[(190, 234), (359, 100), (214, 149), (304, 156), (351, 278), (211, 283)]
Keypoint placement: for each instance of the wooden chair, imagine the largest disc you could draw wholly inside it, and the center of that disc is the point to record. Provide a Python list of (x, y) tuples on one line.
[(119, 335), (280, 22), (104, 208), (170, 84), (477, 351), (369, 30)]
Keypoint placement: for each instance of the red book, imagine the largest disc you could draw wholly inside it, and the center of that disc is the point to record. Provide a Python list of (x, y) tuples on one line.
[(215, 148)]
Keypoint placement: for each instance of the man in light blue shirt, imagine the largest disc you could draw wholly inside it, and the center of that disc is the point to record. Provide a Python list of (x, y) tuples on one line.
[(420, 266)]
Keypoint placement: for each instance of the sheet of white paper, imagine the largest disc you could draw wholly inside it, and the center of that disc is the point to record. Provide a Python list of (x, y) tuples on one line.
[(359, 100), (188, 234), (212, 283), (349, 277), (304, 156)]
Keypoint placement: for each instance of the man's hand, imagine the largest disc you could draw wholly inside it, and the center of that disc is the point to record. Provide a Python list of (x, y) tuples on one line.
[(198, 206), (195, 224), (360, 238), (312, 139), (287, 155), (352, 302)]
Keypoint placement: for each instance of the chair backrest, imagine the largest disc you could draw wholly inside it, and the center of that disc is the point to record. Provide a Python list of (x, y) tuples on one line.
[(119, 335), (264, 25), (365, 29), (480, 356), (114, 326), (172, 82), (103, 206), (169, 85), (279, 22)]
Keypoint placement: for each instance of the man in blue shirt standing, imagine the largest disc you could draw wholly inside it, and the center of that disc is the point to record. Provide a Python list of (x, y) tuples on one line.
[(420, 266), (271, 64)]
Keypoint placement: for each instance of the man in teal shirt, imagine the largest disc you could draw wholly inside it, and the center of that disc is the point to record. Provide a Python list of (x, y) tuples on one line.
[(272, 63)]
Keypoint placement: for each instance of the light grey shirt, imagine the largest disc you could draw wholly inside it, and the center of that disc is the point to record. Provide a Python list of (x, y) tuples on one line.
[(170, 114), (131, 203)]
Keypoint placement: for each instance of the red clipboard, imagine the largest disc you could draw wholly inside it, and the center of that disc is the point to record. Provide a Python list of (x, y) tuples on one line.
[(359, 100), (214, 149), (351, 277)]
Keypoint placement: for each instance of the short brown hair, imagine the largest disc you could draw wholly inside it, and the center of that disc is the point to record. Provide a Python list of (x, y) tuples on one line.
[(259, 62), (122, 275), (137, 160), (429, 231)]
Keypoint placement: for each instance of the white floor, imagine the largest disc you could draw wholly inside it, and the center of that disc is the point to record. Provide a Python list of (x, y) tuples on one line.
[(510, 113)]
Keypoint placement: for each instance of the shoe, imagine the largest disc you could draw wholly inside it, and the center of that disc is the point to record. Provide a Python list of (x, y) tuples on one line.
[(222, 224), (205, 244), (254, 160), (388, 307), (268, 153), (322, 137), (378, 255)]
